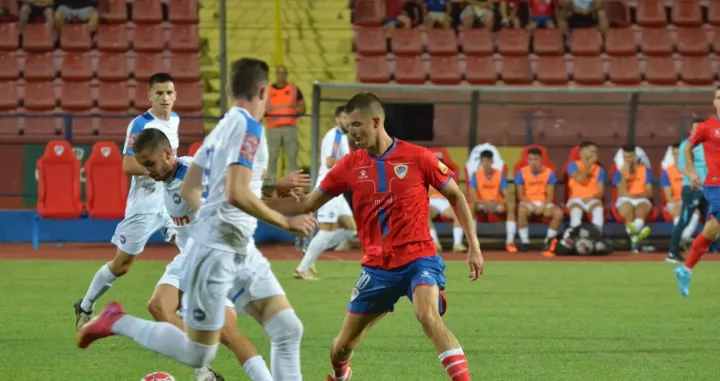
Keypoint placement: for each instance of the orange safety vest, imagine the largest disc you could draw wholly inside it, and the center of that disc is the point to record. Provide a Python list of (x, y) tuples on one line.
[(488, 187), (535, 185), (636, 180), (281, 110), (588, 188), (676, 180)]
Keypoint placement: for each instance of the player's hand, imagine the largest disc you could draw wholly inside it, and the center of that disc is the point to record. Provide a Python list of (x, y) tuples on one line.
[(293, 180), (303, 224), (475, 262), (694, 180)]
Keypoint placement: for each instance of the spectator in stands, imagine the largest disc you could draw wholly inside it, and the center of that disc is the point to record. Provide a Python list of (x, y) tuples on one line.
[(34, 10), (490, 195), (393, 15), (412, 14), (586, 187), (542, 13), (478, 12), (509, 13), (285, 105), (575, 14), (671, 184), (85, 11), (436, 13), (535, 189), (634, 184)]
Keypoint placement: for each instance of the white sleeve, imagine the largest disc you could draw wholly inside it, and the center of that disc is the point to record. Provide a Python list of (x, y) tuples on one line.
[(344, 146), (134, 128), (326, 148)]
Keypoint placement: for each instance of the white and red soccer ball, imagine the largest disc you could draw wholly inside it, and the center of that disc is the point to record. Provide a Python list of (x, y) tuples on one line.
[(158, 376)]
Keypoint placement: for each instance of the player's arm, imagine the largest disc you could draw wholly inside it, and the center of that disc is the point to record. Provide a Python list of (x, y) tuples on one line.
[(191, 188), (620, 184), (665, 185), (649, 180), (300, 102), (601, 184), (520, 186), (130, 165), (462, 210), (505, 190), (472, 195), (580, 175), (697, 138), (551, 188)]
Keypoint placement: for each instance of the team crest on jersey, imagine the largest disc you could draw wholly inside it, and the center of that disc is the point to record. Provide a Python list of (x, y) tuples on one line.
[(438, 155), (59, 150), (176, 198), (105, 151), (249, 147), (443, 168), (401, 171)]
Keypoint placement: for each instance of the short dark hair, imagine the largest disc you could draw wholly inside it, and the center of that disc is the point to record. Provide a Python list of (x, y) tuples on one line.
[(150, 139), (339, 110), (696, 121), (247, 77), (487, 154), (534, 151), (160, 78), (676, 145), (364, 101), (587, 143), (630, 148)]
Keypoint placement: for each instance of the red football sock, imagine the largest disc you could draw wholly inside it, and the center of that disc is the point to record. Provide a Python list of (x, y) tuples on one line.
[(455, 364), (699, 247), (340, 369)]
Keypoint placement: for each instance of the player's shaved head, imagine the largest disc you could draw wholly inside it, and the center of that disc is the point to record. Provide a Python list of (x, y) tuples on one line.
[(152, 150), (248, 76), (150, 139), (366, 102)]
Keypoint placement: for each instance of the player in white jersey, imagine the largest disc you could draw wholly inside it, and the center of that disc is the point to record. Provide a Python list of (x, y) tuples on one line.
[(145, 212), (228, 171), (337, 211)]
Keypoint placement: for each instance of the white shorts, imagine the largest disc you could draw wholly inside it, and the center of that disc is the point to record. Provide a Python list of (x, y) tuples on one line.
[(333, 209), (537, 204), (133, 232), (475, 11), (499, 208), (437, 17), (632, 201), (586, 206), (671, 204), (440, 204), (212, 276)]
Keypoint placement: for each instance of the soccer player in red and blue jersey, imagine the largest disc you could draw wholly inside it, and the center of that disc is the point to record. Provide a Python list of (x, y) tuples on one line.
[(390, 179), (707, 134)]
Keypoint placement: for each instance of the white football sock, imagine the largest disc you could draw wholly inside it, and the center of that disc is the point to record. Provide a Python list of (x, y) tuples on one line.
[(256, 369), (101, 282), (323, 240), (285, 331), (576, 215), (510, 230), (598, 218), (458, 235), (551, 233), (434, 235), (524, 235)]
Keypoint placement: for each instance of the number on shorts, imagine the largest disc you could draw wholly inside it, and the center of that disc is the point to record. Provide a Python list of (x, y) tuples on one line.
[(206, 172), (363, 281)]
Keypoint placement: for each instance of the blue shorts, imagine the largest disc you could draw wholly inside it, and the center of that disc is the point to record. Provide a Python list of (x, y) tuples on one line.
[(712, 196), (542, 22), (376, 291)]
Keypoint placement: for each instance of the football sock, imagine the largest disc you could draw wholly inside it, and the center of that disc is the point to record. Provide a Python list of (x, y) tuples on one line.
[(285, 331), (434, 235), (576, 215), (101, 282), (323, 240), (639, 224), (256, 369), (340, 369), (455, 364), (524, 235), (458, 235), (510, 229), (676, 220), (699, 247), (551, 233), (598, 219)]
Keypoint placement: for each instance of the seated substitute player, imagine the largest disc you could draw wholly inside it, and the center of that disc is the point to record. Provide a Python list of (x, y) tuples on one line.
[(490, 195), (227, 172), (535, 184), (634, 183), (586, 187), (145, 211), (334, 218), (389, 179), (440, 206)]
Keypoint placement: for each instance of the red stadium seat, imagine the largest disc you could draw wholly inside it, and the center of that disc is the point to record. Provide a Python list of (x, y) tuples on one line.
[(686, 13), (183, 12), (548, 42), (660, 71), (194, 147), (524, 154), (8, 96), (83, 126), (140, 101), (713, 13), (37, 38), (185, 67), (692, 42), (76, 67), (148, 64), (441, 42), (39, 67), (147, 12), (113, 96), (477, 42), (444, 70), (9, 42), (368, 12), (59, 182), (40, 95), (371, 41), (588, 71), (516, 70), (621, 42), (409, 70), (112, 67), (696, 71), (624, 71), (716, 40), (618, 13), (116, 12), (656, 42), (373, 69), (75, 38), (585, 42), (193, 125), (480, 70), (513, 42), (9, 70), (191, 99), (406, 42), (651, 13), (184, 39), (551, 70), (112, 38), (41, 124), (76, 96), (652, 216), (152, 41), (106, 185), (114, 124)]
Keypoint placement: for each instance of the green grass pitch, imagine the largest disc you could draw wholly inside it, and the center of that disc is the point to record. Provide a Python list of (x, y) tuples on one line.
[(521, 321)]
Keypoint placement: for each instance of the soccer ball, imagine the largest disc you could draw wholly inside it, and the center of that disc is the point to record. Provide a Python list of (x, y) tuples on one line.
[(158, 376), (584, 246)]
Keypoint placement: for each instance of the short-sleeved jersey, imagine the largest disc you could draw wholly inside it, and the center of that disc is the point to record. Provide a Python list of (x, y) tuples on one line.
[(334, 144), (535, 185), (672, 178), (390, 201), (591, 186), (707, 133), (145, 194), (637, 181), (698, 161), (179, 210), (489, 188), (237, 140)]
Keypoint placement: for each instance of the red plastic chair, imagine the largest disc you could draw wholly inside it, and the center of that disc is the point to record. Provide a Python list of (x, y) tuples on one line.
[(193, 148), (59, 182), (106, 185)]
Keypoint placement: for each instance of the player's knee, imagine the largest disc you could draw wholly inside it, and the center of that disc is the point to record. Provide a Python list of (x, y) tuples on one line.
[(558, 214), (430, 320), (285, 327), (200, 355), (158, 310)]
